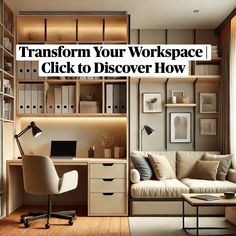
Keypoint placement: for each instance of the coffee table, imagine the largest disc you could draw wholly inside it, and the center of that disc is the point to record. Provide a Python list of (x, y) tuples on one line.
[(203, 203)]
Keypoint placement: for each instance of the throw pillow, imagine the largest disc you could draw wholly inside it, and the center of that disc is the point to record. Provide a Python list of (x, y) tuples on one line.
[(205, 170), (225, 162), (161, 167), (142, 165)]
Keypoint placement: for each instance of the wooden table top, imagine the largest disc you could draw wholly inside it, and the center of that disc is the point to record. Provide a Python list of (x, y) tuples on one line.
[(219, 202)]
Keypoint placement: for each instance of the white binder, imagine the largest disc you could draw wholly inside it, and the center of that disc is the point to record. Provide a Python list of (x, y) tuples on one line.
[(50, 101), (34, 98), (28, 68), (123, 101), (20, 70), (21, 99), (27, 98), (109, 98), (34, 70), (58, 103), (40, 98), (116, 98), (71, 99), (65, 99)]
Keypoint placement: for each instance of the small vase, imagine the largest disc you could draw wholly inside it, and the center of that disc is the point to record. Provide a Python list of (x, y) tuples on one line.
[(107, 153)]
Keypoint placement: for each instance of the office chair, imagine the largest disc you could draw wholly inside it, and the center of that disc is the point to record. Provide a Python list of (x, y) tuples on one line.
[(40, 177)]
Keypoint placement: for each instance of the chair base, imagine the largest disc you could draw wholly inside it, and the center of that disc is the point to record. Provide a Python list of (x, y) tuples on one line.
[(67, 215)]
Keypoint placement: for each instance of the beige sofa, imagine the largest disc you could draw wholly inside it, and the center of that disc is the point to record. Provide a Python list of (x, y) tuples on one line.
[(150, 196)]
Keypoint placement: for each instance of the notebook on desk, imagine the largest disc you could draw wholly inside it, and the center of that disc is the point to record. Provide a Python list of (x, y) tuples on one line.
[(63, 149)]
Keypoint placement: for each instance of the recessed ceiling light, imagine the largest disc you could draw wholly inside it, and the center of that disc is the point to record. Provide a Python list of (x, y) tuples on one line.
[(195, 11)]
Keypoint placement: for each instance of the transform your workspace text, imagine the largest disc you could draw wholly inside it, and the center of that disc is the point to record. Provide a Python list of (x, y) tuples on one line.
[(113, 60)]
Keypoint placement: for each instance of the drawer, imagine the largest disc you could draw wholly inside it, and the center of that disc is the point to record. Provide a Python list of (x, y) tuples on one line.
[(99, 203), (107, 185), (107, 170)]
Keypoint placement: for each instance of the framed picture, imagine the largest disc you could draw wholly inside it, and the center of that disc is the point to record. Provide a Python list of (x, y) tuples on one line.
[(179, 94), (207, 126), (152, 102), (180, 127), (208, 103)]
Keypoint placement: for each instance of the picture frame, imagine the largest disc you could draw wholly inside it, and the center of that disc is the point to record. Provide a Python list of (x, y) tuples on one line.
[(208, 102), (179, 94), (180, 127), (152, 102), (207, 126)]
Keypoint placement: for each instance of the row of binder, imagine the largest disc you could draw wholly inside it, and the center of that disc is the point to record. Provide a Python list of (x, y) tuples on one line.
[(62, 100), (27, 70), (116, 98), (31, 98)]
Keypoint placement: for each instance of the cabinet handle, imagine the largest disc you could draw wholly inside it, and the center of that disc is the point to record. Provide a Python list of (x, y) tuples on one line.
[(110, 179), (107, 164), (108, 194)]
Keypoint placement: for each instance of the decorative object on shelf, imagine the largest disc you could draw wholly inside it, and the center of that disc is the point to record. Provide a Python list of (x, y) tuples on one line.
[(208, 103), (180, 127), (148, 130), (185, 100), (152, 102), (36, 131), (208, 126), (179, 94), (173, 99), (107, 142), (91, 151), (119, 152)]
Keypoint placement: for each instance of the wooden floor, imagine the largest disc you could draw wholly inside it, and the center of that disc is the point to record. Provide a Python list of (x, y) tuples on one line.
[(83, 225)]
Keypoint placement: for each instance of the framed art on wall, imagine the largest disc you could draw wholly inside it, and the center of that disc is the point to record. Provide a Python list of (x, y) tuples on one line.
[(208, 103), (180, 127), (179, 94), (207, 126), (152, 102)]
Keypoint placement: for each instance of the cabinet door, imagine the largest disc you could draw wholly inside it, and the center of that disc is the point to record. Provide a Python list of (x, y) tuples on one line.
[(116, 28), (30, 28)]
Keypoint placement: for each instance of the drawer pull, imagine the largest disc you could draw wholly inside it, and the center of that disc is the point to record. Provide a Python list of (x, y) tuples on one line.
[(108, 179), (107, 164), (108, 194)]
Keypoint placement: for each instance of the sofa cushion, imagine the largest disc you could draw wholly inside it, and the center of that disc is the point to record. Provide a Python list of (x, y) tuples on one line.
[(225, 162), (205, 170), (169, 188), (185, 162), (134, 176), (208, 186), (170, 155), (161, 167), (141, 163)]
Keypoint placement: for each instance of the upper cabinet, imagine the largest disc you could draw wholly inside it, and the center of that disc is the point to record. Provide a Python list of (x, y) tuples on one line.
[(81, 28)]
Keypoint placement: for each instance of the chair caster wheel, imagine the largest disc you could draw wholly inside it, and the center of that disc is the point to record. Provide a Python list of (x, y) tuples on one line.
[(22, 221), (47, 226), (71, 222), (26, 224)]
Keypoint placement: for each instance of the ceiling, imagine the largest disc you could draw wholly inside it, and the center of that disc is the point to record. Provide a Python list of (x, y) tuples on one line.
[(145, 14)]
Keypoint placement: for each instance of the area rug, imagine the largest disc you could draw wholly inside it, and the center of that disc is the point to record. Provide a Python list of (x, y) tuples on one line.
[(172, 226)]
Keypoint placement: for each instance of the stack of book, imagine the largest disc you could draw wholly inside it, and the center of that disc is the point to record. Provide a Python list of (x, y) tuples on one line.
[(214, 52)]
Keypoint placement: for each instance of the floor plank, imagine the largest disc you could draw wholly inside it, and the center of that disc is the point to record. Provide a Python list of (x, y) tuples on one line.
[(83, 225)]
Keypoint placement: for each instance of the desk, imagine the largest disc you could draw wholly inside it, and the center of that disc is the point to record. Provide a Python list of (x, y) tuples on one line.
[(105, 187)]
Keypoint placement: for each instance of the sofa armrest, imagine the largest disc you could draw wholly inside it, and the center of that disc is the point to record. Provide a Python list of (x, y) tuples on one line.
[(134, 176), (232, 175)]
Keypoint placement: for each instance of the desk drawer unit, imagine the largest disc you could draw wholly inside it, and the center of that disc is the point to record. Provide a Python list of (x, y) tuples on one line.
[(107, 189)]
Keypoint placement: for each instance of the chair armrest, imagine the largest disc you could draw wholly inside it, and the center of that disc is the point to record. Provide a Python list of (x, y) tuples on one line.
[(232, 175), (134, 176), (69, 181)]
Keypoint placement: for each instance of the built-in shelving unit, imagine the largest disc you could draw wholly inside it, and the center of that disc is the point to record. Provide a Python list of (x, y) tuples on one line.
[(7, 85)]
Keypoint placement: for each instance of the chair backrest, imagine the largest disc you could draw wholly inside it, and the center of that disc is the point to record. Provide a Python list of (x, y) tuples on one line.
[(39, 174)]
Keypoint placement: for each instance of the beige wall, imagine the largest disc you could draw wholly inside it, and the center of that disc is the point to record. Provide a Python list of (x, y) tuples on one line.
[(160, 140)]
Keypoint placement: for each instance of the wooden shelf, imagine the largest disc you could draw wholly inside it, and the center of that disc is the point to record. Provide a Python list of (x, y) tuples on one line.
[(8, 96), (180, 105), (209, 78)]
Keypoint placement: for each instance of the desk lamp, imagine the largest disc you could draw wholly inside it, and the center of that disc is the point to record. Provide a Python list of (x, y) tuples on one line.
[(36, 131), (148, 130)]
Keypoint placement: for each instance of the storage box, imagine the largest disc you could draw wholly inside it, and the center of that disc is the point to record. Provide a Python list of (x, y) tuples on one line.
[(89, 107)]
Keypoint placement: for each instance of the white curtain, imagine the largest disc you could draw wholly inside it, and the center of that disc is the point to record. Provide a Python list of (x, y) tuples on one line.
[(233, 89)]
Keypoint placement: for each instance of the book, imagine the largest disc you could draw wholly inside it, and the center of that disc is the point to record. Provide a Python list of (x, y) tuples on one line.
[(206, 197)]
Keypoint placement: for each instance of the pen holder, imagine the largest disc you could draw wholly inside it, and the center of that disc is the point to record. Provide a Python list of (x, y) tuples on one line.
[(91, 153)]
